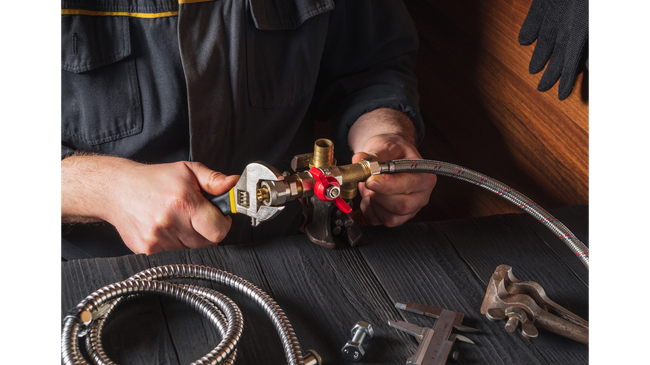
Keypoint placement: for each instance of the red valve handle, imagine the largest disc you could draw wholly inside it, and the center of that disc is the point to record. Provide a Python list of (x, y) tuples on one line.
[(321, 183)]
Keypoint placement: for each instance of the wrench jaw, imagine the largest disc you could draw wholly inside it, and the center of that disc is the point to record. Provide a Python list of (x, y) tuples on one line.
[(246, 189), (265, 213)]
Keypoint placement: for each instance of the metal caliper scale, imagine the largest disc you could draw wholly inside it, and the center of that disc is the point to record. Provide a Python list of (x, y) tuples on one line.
[(435, 343)]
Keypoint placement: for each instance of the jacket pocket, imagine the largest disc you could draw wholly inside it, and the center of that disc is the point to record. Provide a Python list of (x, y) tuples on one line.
[(284, 43), (100, 98)]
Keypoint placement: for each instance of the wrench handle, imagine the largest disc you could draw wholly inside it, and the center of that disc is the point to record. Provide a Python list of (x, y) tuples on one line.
[(224, 202)]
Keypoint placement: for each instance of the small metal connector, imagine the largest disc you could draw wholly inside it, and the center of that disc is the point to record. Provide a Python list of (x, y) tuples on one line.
[(312, 358), (354, 349), (372, 165)]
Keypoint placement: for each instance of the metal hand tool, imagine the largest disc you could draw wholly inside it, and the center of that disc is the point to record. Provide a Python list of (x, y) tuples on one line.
[(436, 342), (262, 190), (321, 185), (525, 304), (243, 197)]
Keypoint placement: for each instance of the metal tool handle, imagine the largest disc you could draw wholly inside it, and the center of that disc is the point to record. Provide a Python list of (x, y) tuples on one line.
[(562, 327)]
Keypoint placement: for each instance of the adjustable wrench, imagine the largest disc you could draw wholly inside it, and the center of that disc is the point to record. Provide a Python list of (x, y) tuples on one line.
[(243, 199)]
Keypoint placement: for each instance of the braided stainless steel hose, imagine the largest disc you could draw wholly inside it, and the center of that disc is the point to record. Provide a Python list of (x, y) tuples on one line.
[(88, 317), (497, 187)]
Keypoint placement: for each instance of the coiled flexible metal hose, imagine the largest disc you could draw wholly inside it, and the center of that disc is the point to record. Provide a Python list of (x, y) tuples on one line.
[(89, 316), (497, 187)]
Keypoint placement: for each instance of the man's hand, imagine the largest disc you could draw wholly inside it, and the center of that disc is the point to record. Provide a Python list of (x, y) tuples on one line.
[(390, 200), (153, 207)]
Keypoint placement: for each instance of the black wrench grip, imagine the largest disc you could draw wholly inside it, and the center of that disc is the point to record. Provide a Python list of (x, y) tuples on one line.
[(223, 202)]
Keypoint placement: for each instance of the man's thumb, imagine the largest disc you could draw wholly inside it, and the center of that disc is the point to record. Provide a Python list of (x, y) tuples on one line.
[(210, 181)]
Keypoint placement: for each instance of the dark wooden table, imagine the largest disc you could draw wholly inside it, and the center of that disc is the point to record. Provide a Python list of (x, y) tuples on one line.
[(325, 292)]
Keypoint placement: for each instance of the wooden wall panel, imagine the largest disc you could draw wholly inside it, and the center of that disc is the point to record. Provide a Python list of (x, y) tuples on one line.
[(482, 110)]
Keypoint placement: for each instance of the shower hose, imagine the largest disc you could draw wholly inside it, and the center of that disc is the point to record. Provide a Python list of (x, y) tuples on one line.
[(88, 317), (458, 172)]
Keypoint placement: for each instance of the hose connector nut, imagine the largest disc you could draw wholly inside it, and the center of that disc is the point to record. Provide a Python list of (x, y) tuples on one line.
[(312, 358), (372, 165), (355, 348), (83, 318)]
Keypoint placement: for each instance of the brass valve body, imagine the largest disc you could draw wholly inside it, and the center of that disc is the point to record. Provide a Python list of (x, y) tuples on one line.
[(301, 184)]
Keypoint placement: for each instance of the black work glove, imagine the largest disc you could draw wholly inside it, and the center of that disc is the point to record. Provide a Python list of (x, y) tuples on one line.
[(561, 28)]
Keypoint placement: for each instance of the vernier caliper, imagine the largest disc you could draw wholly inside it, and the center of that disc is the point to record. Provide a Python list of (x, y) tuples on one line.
[(436, 342)]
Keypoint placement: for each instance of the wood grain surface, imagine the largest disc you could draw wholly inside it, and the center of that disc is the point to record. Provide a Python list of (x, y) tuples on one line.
[(325, 292), (482, 110)]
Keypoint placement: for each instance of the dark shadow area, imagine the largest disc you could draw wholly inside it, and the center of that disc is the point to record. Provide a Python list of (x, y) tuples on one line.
[(460, 125)]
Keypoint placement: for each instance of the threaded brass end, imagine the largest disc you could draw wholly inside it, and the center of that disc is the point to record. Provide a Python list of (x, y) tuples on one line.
[(323, 153), (263, 194)]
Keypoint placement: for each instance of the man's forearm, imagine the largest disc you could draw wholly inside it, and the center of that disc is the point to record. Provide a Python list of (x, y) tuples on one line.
[(380, 121), (86, 182)]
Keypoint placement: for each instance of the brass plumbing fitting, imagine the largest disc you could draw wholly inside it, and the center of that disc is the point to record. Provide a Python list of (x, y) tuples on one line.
[(323, 153), (301, 183), (352, 175)]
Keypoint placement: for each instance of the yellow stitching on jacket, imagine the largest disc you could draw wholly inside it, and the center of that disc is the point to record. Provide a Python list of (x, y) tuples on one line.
[(118, 13)]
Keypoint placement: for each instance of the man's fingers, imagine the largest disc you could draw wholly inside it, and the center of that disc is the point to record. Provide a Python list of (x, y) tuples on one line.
[(210, 223), (368, 214), (154, 241), (202, 225), (361, 155), (376, 214), (403, 183), (401, 204), (207, 220)]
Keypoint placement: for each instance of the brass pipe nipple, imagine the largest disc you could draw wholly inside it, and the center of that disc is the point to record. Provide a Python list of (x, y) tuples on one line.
[(323, 153)]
